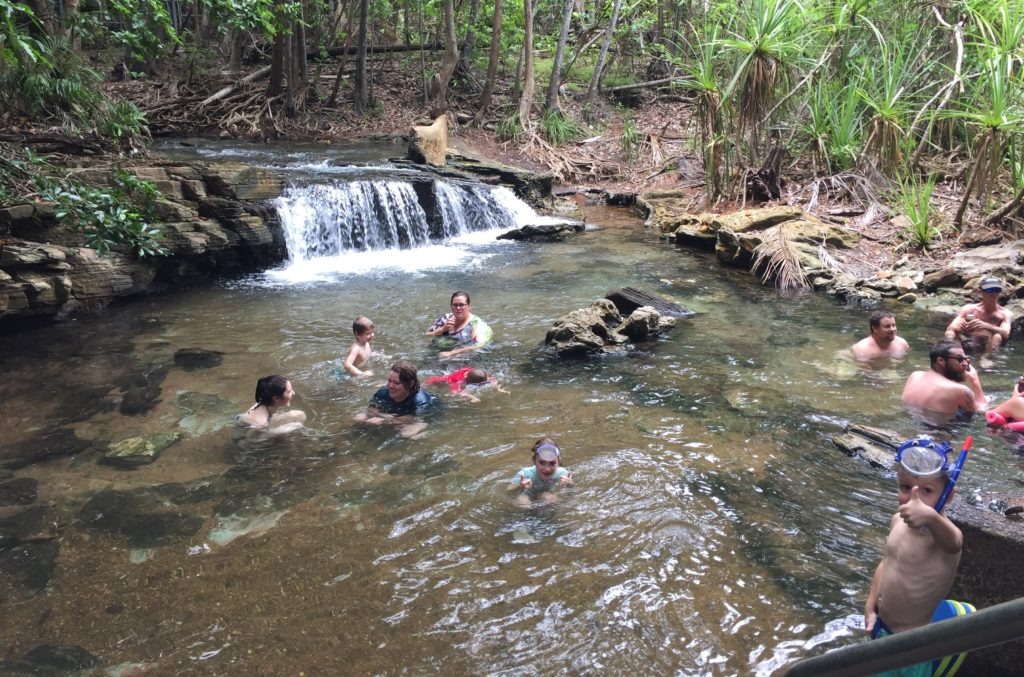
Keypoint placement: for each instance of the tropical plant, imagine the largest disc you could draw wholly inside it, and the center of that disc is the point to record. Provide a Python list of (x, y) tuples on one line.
[(510, 129), (913, 201), (631, 138), (708, 109), (559, 129), (768, 41), (886, 85), (833, 126), (998, 116), (115, 217)]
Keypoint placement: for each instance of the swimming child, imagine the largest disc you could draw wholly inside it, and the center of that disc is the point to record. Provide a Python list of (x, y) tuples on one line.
[(922, 551), (273, 393), (460, 378), (545, 478), (359, 352)]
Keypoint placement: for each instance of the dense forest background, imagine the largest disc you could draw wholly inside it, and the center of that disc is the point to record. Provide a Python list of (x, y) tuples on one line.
[(912, 105)]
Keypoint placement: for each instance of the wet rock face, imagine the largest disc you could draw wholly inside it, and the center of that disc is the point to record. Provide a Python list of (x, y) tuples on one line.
[(136, 451), (212, 222), (548, 232), (600, 327)]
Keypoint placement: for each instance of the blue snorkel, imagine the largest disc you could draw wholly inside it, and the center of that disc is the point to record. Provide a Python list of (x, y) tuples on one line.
[(954, 474)]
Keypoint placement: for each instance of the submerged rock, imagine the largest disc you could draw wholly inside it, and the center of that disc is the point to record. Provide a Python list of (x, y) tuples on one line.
[(193, 359), (137, 517), (19, 491), (136, 451), (53, 443), (32, 564), (546, 232)]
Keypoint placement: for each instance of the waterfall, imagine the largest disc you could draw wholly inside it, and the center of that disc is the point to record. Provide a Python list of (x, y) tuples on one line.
[(373, 215)]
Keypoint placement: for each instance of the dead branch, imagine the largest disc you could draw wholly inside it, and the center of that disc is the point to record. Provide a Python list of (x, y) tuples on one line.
[(248, 79), (649, 83)]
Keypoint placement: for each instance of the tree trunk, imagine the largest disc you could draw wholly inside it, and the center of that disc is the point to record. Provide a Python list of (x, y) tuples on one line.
[(276, 84), (439, 83), (344, 50), (526, 98), (492, 63), (360, 90), (235, 60), (43, 10), (551, 103), (469, 40), (595, 82), (67, 20)]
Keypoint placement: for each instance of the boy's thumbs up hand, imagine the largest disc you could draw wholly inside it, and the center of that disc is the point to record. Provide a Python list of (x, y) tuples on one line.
[(915, 512)]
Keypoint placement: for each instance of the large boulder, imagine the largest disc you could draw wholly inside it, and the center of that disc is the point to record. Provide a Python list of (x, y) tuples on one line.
[(600, 328), (545, 232)]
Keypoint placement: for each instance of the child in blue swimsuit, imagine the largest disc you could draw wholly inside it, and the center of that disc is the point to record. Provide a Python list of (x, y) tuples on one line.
[(545, 478)]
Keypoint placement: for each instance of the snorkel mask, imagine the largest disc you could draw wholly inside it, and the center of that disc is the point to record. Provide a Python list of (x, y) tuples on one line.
[(923, 457), (548, 452)]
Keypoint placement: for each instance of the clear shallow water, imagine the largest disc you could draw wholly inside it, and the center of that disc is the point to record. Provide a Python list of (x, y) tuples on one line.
[(714, 528)]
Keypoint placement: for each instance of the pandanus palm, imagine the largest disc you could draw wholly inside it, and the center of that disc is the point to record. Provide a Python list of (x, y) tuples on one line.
[(998, 115), (768, 40)]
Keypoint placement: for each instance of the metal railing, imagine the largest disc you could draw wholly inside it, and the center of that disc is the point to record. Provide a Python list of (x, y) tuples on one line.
[(994, 625)]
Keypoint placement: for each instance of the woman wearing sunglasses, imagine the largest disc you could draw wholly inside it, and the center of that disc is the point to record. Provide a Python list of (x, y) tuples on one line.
[(461, 328)]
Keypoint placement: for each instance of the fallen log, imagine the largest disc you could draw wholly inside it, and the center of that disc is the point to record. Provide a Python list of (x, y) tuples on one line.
[(628, 299), (338, 51), (649, 83), (248, 79)]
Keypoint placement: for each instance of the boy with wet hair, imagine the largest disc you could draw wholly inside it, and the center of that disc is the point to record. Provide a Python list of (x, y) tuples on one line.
[(922, 551), (359, 352)]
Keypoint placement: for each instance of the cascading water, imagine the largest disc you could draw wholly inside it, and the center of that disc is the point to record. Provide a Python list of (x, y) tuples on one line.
[(372, 215)]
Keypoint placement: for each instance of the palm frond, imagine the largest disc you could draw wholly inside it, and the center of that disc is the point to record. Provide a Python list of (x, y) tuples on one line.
[(778, 260)]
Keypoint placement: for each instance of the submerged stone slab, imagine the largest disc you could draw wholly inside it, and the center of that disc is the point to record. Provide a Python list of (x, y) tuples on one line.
[(138, 517), (136, 451), (19, 491), (194, 359)]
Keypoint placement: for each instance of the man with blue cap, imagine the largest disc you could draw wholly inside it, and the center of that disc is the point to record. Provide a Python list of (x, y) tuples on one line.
[(982, 327)]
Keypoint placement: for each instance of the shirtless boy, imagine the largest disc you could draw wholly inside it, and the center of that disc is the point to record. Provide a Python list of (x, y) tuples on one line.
[(359, 352), (984, 326), (883, 341), (922, 550)]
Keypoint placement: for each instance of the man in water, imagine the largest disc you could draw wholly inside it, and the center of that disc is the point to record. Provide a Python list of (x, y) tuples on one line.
[(951, 389), (883, 341), (983, 326)]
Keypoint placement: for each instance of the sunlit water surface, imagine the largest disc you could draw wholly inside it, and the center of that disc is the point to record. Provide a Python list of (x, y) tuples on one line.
[(714, 528)]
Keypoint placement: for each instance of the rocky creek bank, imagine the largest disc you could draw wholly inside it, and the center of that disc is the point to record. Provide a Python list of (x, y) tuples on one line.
[(217, 220), (822, 249)]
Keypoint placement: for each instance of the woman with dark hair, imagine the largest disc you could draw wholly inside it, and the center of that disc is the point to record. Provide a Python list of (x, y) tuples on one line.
[(400, 401), (461, 326), (273, 393)]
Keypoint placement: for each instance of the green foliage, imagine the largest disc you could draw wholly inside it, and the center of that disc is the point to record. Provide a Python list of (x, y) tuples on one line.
[(122, 121), (631, 138), (118, 217), (914, 203), (54, 83), (509, 128), (834, 126), (559, 129)]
